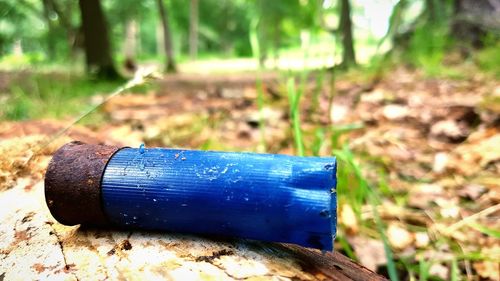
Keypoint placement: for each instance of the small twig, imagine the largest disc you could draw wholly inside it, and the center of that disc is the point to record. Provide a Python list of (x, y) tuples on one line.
[(141, 76), (471, 219)]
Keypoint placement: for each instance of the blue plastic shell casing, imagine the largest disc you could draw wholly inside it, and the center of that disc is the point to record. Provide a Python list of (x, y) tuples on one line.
[(265, 197)]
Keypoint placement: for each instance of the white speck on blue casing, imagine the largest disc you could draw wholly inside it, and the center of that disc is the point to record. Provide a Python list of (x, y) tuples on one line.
[(265, 197)]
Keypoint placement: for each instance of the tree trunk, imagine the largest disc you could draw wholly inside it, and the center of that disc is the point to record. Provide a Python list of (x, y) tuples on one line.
[(473, 19), (193, 29), (345, 26), (130, 43), (17, 49), (167, 38), (47, 9), (96, 41), (160, 49)]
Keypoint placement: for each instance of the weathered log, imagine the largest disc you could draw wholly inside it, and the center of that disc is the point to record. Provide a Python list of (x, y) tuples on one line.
[(33, 246), (266, 197)]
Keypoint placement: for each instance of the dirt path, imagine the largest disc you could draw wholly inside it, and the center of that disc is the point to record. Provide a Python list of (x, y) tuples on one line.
[(429, 146)]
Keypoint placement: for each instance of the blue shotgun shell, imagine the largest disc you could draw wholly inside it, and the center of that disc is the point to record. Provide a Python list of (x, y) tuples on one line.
[(267, 197), (256, 196)]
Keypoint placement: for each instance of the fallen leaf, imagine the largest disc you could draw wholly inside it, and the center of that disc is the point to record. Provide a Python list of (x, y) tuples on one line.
[(448, 207), (348, 219), (376, 96), (369, 251), (421, 196), (440, 161), (395, 112), (449, 131), (339, 113), (439, 270), (473, 156), (421, 239), (398, 236), (487, 269), (472, 191)]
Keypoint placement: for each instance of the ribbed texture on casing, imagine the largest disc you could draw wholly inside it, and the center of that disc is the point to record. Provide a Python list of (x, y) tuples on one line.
[(257, 196)]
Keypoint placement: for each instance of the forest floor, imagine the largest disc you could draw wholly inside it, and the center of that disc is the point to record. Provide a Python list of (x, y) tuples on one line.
[(428, 149)]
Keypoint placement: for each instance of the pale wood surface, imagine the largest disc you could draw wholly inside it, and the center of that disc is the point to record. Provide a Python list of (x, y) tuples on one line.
[(33, 246)]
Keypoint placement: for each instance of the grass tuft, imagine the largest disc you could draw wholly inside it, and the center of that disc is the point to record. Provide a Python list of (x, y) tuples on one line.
[(40, 96), (294, 101)]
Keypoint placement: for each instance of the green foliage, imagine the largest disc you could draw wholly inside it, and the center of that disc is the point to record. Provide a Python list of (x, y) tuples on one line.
[(281, 22), (20, 105), (39, 96), (119, 13), (428, 47), (224, 29), (13, 61), (319, 137), (488, 58), (18, 19)]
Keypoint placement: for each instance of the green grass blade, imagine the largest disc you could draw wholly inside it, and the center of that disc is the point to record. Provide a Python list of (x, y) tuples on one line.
[(362, 194), (319, 139), (488, 231), (254, 43), (391, 265), (454, 270), (346, 247), (294, 99), (423, 270)]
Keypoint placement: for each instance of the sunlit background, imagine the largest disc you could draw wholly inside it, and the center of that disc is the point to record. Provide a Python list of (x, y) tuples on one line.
[(32, 35), (405, 93)]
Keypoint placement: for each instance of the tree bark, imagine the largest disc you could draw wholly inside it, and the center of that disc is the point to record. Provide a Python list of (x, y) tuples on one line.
[(160, 49), (96, 41), (167, 38), (193, 29), (473, 19), (345, 26), (130, 42), (47, 9)]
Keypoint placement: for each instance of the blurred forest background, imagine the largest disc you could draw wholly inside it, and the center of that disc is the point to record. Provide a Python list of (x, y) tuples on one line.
[(406, 93)]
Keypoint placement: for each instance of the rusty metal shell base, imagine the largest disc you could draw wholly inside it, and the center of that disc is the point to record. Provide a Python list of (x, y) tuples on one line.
[(73, 183)]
